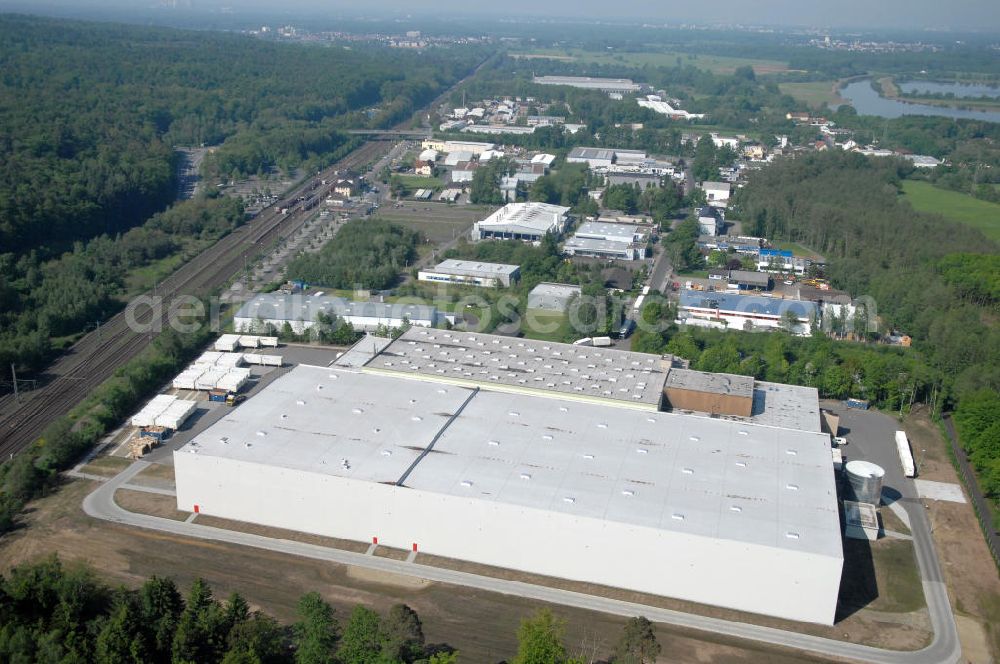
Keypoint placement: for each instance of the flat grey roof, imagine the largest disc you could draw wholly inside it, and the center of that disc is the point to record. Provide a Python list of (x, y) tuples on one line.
[(786, 406), (715, 478), (748, 277), (539, 217), (618, 232), (298, 306), (363, 351), (591, 244), (314, 418), (716, 185), (562, 290), (589, 82), (715, 383), (591, 153), (774, 404), (747, 304), (554, 297), (505, 363), (475, 268)]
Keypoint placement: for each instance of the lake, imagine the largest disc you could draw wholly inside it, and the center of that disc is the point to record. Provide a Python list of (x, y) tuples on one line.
[(868, 102), (960, 90)]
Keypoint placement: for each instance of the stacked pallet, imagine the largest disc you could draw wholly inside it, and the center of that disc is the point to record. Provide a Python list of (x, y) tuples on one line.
[(140, 446), (233, 381)]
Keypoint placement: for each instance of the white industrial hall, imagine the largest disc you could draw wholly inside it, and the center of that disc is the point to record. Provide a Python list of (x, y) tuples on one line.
[(560, 481)]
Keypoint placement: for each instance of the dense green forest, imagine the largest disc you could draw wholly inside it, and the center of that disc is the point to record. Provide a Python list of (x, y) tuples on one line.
[(889, 377), (91, 112), (929, 277), (41, 299), (368, 253), (53, 613), (89, 115)]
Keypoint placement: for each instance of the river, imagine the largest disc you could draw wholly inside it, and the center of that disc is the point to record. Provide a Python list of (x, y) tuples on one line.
[(868, 102)]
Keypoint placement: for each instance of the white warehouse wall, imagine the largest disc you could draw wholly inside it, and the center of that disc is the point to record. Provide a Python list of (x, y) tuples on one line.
[(759, 579)]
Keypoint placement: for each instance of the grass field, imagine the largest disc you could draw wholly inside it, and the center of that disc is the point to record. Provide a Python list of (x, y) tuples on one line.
[(439, 222), (883, 577), (420, 182), (714, 63), (814, 93), (925, 197), (797, 249), (544, 325)]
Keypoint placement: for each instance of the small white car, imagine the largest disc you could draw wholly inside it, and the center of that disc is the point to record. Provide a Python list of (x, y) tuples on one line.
[(789, 282), (840, 440)]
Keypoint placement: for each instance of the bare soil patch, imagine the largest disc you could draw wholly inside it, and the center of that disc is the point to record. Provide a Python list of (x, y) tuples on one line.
[(105, 466), (969, 570), (870, 627), (153, 504), (156, 476)]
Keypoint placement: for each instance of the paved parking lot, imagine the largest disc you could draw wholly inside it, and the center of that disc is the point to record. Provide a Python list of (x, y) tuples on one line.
[(871, 437), (209, 412)]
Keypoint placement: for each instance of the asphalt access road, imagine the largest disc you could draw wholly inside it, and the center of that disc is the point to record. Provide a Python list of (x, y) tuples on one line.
[(944, 648)]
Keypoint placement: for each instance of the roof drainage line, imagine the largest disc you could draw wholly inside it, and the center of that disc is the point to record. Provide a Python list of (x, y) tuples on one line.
[(430, 446)]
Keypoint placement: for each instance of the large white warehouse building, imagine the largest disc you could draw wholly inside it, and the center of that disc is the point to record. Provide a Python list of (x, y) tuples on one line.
[(268, 312), (528, 222), (526, 455)]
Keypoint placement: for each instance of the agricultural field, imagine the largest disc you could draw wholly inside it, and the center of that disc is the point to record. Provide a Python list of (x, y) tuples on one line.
[(716, 64), (925, 197), (816, 94)]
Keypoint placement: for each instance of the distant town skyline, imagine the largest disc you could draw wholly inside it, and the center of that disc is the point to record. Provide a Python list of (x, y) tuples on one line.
[(978, 15)]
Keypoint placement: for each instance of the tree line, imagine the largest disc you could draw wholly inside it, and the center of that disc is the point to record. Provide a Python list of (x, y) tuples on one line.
[(87, 162), (42, 299), (87, 148), (50, 612), (367, 253), (930, 278)]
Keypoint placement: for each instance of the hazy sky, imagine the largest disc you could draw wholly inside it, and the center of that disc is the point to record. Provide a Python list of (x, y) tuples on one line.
[(980, 15), (983, 14)]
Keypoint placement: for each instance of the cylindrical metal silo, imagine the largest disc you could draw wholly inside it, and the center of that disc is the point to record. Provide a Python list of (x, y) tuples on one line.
[(864, 480)]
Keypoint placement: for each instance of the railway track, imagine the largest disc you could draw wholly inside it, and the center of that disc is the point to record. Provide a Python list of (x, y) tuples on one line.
[(96, 357)]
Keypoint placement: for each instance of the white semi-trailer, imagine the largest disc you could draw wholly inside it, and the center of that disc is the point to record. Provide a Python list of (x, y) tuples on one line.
[(905, 455)]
